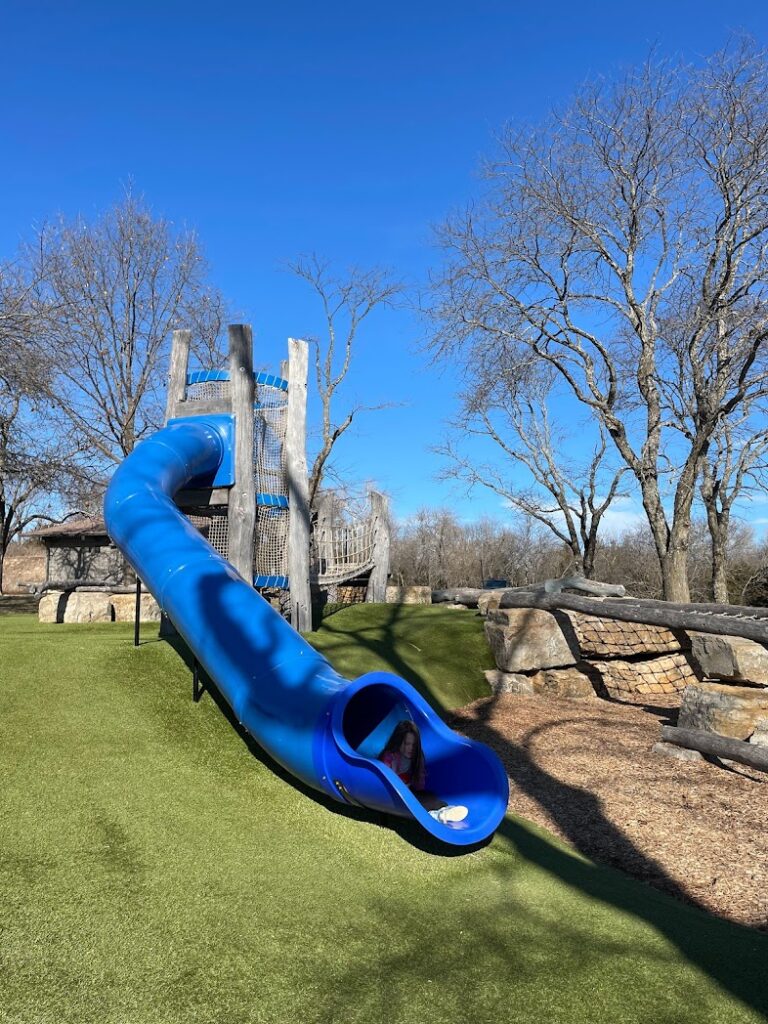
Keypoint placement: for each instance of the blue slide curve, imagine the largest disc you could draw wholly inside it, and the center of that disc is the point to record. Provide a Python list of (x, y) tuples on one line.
[(325, 730)]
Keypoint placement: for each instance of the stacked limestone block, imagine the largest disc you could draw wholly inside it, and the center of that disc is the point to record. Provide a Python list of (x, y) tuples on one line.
[(575, 655), (85, 606), (732, 700), (408, 595)]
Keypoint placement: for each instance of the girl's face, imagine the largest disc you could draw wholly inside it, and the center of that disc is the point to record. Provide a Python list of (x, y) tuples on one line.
[(408, 745)]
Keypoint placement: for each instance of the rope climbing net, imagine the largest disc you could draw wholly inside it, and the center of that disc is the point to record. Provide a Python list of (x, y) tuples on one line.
[(270, 415), (343, 543)]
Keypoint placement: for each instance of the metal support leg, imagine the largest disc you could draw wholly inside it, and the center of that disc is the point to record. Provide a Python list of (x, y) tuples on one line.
[(198, 688), (137, 614)]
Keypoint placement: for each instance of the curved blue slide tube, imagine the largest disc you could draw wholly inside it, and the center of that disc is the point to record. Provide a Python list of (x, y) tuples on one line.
[(325, 730)]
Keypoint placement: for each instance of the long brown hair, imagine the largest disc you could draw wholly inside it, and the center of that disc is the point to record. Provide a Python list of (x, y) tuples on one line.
[(395, 742)]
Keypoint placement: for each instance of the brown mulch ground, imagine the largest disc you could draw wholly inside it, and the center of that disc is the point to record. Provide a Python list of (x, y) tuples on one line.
[(585, 771)]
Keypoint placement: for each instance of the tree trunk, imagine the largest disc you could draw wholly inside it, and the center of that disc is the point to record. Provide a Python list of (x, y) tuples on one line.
[(674, 571), (718, 532)]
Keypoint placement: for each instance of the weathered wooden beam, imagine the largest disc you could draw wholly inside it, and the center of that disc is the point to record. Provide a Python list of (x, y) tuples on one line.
[(630, 610), (205, 496), (200, 407), (177, 373), (377, 582), (298, 485), (719, 746), (744, 610), (467, 596), (581, 583), (242, 496)]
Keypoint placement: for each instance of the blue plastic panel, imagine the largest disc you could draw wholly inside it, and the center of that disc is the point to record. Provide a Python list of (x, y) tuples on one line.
[(267, 380)]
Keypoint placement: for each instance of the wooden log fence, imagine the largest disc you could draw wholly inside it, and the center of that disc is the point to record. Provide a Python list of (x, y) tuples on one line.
[(720, 619)]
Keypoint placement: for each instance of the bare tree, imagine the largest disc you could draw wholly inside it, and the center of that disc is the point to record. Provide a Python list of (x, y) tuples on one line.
[(347, 300), (508, 407), (28, 463), (33, 473), (113, 290), (625, 245), (735, 464)]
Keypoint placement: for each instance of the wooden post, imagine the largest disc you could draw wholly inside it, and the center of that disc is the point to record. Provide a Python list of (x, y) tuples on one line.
[(242, 497), (177, 374), (323, 530), (377, 582), (298, 486)]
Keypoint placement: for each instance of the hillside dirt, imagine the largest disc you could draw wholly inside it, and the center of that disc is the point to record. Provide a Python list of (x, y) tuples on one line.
[(585, 771)]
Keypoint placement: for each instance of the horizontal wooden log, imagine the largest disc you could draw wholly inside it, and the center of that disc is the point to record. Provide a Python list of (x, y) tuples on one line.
[(459, 595), (632, 610), (469, 596), (751, 754), (581, 583), (710, 609)]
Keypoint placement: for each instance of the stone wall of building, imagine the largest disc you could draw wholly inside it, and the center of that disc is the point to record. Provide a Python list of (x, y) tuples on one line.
[(87, 560), (24, 567)]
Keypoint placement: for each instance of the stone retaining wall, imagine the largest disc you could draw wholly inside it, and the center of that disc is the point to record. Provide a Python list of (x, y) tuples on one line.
[(577, 655), (82, 606)]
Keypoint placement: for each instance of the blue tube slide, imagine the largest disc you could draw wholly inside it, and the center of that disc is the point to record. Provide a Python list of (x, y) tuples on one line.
[(325, 730)]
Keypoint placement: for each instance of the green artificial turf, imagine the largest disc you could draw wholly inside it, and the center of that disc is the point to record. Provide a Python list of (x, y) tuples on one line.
[(441, 651), (154, 870)]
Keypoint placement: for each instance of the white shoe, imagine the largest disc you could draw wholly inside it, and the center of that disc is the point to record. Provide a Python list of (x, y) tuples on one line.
[(453, 812)]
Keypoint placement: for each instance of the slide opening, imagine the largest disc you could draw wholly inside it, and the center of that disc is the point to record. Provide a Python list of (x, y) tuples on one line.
[(370, 717)]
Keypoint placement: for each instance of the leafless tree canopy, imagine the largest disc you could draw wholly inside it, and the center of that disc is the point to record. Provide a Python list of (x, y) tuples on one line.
[(508, 408), (112, 291), (347, 300), (32, 460), (623, 244)]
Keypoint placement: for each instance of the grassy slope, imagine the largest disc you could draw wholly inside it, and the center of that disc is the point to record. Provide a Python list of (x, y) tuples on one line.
[(153, 869), (441, 651)]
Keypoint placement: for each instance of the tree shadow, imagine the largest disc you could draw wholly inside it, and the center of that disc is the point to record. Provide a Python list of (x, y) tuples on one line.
[(572, 808)]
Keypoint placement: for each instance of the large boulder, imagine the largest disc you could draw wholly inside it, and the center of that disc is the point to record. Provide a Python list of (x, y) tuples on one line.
[(528, 639), (570, 682), (730, 657), (733, 711), (124, 608), (408, 595), (87, 607), (51, 607), (489, 601)]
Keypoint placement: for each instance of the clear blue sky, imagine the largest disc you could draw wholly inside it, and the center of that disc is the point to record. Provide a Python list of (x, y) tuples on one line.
[(276, 129)]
